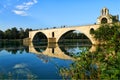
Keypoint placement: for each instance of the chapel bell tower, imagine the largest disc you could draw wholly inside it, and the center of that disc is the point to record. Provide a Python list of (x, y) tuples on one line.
[(105, 17)]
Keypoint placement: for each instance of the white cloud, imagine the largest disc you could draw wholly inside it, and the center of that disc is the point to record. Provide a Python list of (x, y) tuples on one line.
[(25, 6), (18, 12), (29, 3), (22, 8)]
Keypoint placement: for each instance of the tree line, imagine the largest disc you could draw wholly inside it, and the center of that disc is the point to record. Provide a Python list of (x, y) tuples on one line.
[(15, 33)]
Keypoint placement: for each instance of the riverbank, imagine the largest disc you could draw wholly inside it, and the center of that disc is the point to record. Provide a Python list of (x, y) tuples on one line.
[(11, 39)]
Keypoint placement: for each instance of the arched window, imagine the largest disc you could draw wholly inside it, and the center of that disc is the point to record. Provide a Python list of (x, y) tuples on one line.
[(91, 31), (103, 21)]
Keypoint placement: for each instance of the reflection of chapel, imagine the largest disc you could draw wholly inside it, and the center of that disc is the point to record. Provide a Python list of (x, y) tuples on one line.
[(105, 17)]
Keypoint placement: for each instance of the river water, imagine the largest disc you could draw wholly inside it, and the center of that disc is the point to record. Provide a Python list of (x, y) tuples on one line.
[(37, 61)]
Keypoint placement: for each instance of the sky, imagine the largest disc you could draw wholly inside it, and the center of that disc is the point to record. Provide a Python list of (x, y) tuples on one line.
[(40, 14)]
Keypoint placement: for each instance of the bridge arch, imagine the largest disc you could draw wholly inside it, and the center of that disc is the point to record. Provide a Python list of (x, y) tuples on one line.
[(83, 30), (39, 36), (69, 31), (65, 34)]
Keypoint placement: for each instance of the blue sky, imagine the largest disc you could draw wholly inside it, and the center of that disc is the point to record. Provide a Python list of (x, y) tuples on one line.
[(38, 14)]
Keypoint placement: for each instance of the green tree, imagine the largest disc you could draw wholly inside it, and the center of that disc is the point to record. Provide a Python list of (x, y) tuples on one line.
[(27, 32), (21, 34), (14, 33), (1, 34), (108, 33), (8, 34)]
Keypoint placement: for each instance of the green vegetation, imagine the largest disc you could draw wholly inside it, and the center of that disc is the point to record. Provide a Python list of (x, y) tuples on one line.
[(109, 34), (10, 39), (104, 63), (14, 33)]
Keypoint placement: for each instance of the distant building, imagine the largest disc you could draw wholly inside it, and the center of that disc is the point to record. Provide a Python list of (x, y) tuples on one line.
[(105, 17)]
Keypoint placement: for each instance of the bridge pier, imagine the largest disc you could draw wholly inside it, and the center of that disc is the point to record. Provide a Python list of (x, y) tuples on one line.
[(52, 40)]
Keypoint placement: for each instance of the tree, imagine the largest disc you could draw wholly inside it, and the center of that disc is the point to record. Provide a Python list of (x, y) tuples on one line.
[(107, 33), (14, 32), (27, 32), (21, 34), (1, 34), (8, 34)]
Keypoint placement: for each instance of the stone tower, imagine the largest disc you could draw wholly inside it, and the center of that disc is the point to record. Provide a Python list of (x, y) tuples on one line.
[(105, 17)]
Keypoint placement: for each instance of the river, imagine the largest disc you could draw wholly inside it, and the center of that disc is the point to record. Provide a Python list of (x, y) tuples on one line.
[(36, 60)]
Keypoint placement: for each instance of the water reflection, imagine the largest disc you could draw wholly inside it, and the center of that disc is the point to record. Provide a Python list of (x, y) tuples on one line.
[(13, 46), (36, 61), (52, 50), (39, 47), (62, 51), (74, 49)]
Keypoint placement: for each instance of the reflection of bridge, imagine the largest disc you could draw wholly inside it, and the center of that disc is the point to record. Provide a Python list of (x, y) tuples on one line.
[(53, 50), (53, 35)]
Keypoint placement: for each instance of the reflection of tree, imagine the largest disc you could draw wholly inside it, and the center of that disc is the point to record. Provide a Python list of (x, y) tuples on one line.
[(13, 46), (13, 51), (40, 47), (26, 49)]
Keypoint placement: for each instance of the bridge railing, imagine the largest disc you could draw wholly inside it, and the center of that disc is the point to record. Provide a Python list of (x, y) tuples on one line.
[(64, 26)]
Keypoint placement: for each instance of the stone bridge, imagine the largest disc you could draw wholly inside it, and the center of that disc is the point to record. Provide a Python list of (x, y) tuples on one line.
[(53, 35)]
